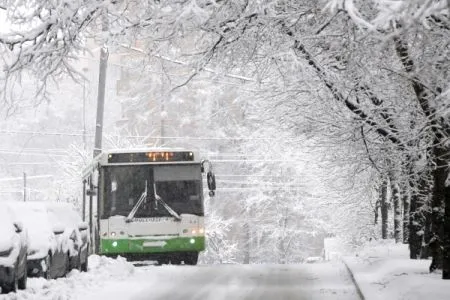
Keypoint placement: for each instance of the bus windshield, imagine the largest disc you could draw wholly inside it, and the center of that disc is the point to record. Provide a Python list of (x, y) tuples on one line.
[(168, 191)]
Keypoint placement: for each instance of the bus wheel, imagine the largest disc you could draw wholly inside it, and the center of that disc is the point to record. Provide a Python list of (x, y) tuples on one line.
[(175, 261), (191, 258)]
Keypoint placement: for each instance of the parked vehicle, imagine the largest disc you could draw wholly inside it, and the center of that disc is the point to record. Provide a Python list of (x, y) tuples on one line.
[(48, 253), (75, 231), (13, 252)]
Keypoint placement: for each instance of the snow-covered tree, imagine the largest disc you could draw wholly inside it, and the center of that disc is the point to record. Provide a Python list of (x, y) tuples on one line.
[(367, 79)]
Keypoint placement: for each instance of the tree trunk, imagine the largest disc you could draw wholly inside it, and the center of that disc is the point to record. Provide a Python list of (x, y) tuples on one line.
[(397, 208), (406, 200), (416, 216), (437, 202), (440, 158), (446, 240), (384, 210), (247, 242), (427, 233)]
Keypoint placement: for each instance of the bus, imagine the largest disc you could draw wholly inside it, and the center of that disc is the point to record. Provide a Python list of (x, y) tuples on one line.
[(147, 204)]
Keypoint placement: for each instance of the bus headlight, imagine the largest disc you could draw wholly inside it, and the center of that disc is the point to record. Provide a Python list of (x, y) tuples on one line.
[(113, 234), (114, 244), (198, 231), (192, 241)]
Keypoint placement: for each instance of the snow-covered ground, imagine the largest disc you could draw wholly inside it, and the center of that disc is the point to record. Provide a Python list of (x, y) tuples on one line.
[(118, 279), (76, 285), (383, 270)]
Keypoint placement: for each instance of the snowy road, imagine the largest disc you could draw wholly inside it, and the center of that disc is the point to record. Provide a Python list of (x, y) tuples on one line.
[(108, 279), (261, 282)]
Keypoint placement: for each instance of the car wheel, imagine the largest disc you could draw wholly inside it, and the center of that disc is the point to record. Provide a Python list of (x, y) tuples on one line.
[(84, 266), (78, 262), (48, 264), (22, 284), (66, 264), (13, 285), (75, 262)]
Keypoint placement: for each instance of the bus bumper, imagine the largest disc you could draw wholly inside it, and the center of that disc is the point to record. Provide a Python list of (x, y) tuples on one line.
[(144, 246)]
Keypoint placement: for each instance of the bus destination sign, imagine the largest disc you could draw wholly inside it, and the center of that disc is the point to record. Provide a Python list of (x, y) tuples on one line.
[(152, 156)]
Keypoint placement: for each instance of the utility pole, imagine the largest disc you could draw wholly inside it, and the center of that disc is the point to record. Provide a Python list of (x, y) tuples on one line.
[(84, 114), (84, 110), (101, 90), (24, 187), (163, 117)]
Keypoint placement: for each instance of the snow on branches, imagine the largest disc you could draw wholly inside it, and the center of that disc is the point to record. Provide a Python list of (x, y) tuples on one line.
[(385, 13)]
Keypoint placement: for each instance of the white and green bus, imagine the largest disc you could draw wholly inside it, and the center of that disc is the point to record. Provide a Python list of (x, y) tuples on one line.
[(147, 204)]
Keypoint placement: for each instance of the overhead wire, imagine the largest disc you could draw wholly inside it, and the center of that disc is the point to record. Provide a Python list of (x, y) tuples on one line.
[(147, 137), (28, 177)]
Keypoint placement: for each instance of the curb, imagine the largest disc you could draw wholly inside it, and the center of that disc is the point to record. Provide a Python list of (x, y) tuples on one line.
[(358, 289)]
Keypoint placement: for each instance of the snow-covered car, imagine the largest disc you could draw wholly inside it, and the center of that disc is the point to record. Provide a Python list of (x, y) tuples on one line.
[(48, 255), (75, 232), (13, 252)]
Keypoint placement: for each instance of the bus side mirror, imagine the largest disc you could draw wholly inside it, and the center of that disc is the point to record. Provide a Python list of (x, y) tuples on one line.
[(211, 179)]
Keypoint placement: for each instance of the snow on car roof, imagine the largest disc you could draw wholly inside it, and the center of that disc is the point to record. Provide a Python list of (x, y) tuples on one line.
[(64, 212), (36, 220), (56, 212), (33, 215), (7, 230)]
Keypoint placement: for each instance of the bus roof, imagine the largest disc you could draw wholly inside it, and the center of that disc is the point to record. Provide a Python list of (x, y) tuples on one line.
[(141, 150), (104, 157)]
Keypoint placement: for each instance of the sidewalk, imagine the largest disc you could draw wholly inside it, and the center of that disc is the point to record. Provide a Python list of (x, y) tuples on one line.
[(383, 270)]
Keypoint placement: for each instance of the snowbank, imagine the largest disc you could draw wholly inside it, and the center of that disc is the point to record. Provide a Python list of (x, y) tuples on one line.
[(76, 285), (383, 270)]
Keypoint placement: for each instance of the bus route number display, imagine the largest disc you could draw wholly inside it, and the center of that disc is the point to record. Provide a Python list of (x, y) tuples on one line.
[(150, 157)]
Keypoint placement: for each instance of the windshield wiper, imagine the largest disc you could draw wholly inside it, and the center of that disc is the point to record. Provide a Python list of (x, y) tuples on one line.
[(166, 206), (157, 198), (136, 206)]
